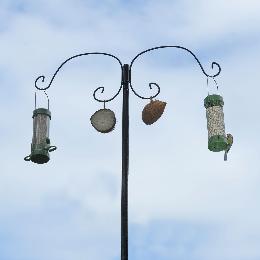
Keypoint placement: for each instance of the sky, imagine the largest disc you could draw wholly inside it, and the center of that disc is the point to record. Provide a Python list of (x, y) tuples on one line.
[(185, 202)]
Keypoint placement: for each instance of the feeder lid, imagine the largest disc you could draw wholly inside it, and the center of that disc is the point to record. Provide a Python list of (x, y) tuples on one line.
[(43, 111), (213, 100), (103, 120)]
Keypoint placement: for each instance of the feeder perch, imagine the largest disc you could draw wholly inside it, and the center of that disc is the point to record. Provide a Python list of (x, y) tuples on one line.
[(40, 146), (217, 140)]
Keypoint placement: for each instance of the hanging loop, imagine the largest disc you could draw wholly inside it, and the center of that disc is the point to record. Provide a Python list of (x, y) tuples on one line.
[(215, 83)]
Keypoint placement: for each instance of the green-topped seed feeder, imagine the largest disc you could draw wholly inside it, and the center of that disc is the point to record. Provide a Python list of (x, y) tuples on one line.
[(40, 146), (217, 140)]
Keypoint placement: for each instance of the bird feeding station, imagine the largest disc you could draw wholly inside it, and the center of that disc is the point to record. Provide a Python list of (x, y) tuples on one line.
[(40, 146), (104, 121)]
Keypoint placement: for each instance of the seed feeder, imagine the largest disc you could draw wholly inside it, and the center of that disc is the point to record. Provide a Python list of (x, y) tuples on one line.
[(40, 146), (153, 111), (217, 140), (103, 120)]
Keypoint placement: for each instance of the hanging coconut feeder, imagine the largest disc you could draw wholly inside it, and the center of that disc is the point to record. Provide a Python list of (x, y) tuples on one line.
[(153, 111), (217, 140), (103, 120)]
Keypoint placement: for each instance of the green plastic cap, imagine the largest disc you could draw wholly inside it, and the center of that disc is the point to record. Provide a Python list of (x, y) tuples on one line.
[(217, 143), (40, 156), (213, 100), (43, 111)]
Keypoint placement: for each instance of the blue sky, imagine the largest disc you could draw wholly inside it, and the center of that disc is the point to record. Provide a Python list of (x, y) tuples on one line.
[(185, 202)]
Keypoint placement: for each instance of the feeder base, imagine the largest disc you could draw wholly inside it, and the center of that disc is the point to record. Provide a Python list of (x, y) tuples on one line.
[(217, 143), (40, 156)]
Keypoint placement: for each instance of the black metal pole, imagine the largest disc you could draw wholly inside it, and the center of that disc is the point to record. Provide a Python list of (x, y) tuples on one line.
[(125, 163)]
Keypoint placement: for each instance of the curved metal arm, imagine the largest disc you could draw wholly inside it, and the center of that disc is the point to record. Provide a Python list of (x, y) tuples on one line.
[(171, 46), (150, 86), (183, 48), (102, 90), (42, 78)]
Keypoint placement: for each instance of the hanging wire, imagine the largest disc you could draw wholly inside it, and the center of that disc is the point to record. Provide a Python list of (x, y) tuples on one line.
[(35, 100), (215, 82), (47, 99), (208, 85)]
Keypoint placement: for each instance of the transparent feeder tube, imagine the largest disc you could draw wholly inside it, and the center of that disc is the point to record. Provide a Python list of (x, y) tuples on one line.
[(40, 146), (41, 126)]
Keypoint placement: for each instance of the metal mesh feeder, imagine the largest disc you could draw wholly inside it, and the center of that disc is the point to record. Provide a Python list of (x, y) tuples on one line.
[(40, 146), (215, 123)]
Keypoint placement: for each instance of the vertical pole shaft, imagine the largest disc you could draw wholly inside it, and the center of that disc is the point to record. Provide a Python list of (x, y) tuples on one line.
[(125, 163)]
